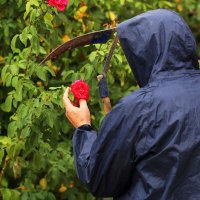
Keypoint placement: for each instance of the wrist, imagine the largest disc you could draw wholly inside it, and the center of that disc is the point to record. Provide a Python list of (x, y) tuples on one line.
[(85, 127), (82, 124)]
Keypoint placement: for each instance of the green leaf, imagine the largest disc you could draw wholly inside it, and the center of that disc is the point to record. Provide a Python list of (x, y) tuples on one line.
[(25, 196), (13, 44), (71, 196), (24, 111), (198, 11), (102, 53), (1, 155), (33, 30), (6, 107), (25, 132), (5, 141), (14, 69), (40, 196), (35, 2), (50, 117), (3, 73), (50, 70), (37, 160), (48, 19), (15, 81), (168, 4), (41, 73), (119, 57), (6, 194), (33, 15), (88, 71), (35, 43), (18, 93), (22, 63), (15, 149), (92, 56), (8, 80), (11, 129), (23, 37), (15, 195), (50, 196), (122, 2), (68, 73), (19, 3), (28, 9), (42, 50), (15, 103), (9, 194)]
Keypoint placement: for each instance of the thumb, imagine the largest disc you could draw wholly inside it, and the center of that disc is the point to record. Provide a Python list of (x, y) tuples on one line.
[(66, 99)]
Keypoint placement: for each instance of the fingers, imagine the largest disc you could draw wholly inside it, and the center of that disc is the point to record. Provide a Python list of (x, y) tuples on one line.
[(66, 99), (69, 105)]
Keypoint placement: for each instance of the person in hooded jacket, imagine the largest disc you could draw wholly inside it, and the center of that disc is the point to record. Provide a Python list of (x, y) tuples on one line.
[(148, 145)]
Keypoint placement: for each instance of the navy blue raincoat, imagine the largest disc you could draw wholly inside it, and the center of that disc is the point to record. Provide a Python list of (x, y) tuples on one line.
[(148, 146)]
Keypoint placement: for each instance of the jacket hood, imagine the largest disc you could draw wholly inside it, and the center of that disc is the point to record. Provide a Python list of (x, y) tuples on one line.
[(157, 42)]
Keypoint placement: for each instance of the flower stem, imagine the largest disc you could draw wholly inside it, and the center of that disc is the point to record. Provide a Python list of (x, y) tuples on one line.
[(7, 159)]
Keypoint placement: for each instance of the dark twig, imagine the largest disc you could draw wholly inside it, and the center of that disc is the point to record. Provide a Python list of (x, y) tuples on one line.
[(7, 159)]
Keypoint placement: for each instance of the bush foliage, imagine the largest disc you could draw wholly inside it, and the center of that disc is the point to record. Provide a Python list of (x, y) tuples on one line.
[(36, 160)]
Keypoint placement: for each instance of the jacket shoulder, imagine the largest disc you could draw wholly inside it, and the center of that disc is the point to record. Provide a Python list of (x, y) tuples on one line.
[(138, 97)]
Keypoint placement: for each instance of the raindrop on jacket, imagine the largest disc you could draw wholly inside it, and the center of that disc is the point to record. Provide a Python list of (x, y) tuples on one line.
[(148, 146)]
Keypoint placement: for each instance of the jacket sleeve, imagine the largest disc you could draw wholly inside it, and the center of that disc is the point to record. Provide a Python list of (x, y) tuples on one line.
[(104, 162)]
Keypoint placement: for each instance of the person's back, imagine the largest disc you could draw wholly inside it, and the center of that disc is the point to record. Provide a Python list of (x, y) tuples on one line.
[(148, 146), (167, 146)]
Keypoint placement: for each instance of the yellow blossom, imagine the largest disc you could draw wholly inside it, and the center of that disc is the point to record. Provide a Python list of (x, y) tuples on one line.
[(1, 58), (62, 188), (65, 38), (112, 15), (22, 187), (113, 24), (54, 68), (71, 184), (49, 63), (39, 83), (41, 39), (92, 117), (80, 13), (180, 8), (83, 9), (84, 27), (43, 183)]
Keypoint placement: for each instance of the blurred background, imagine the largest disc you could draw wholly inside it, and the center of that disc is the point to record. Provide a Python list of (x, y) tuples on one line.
[(36, 160)]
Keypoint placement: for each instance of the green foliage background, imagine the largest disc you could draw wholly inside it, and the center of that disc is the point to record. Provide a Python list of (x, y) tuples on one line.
[(36, 160)]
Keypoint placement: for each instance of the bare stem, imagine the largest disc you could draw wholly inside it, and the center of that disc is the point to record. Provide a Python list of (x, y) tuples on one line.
[(7, 159)]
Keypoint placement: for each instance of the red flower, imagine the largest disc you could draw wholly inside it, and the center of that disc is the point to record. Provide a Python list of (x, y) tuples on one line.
[(59, 4), (80, 89)]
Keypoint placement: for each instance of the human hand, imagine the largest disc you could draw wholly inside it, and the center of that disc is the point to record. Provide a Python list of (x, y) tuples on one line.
[(78, 116)]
